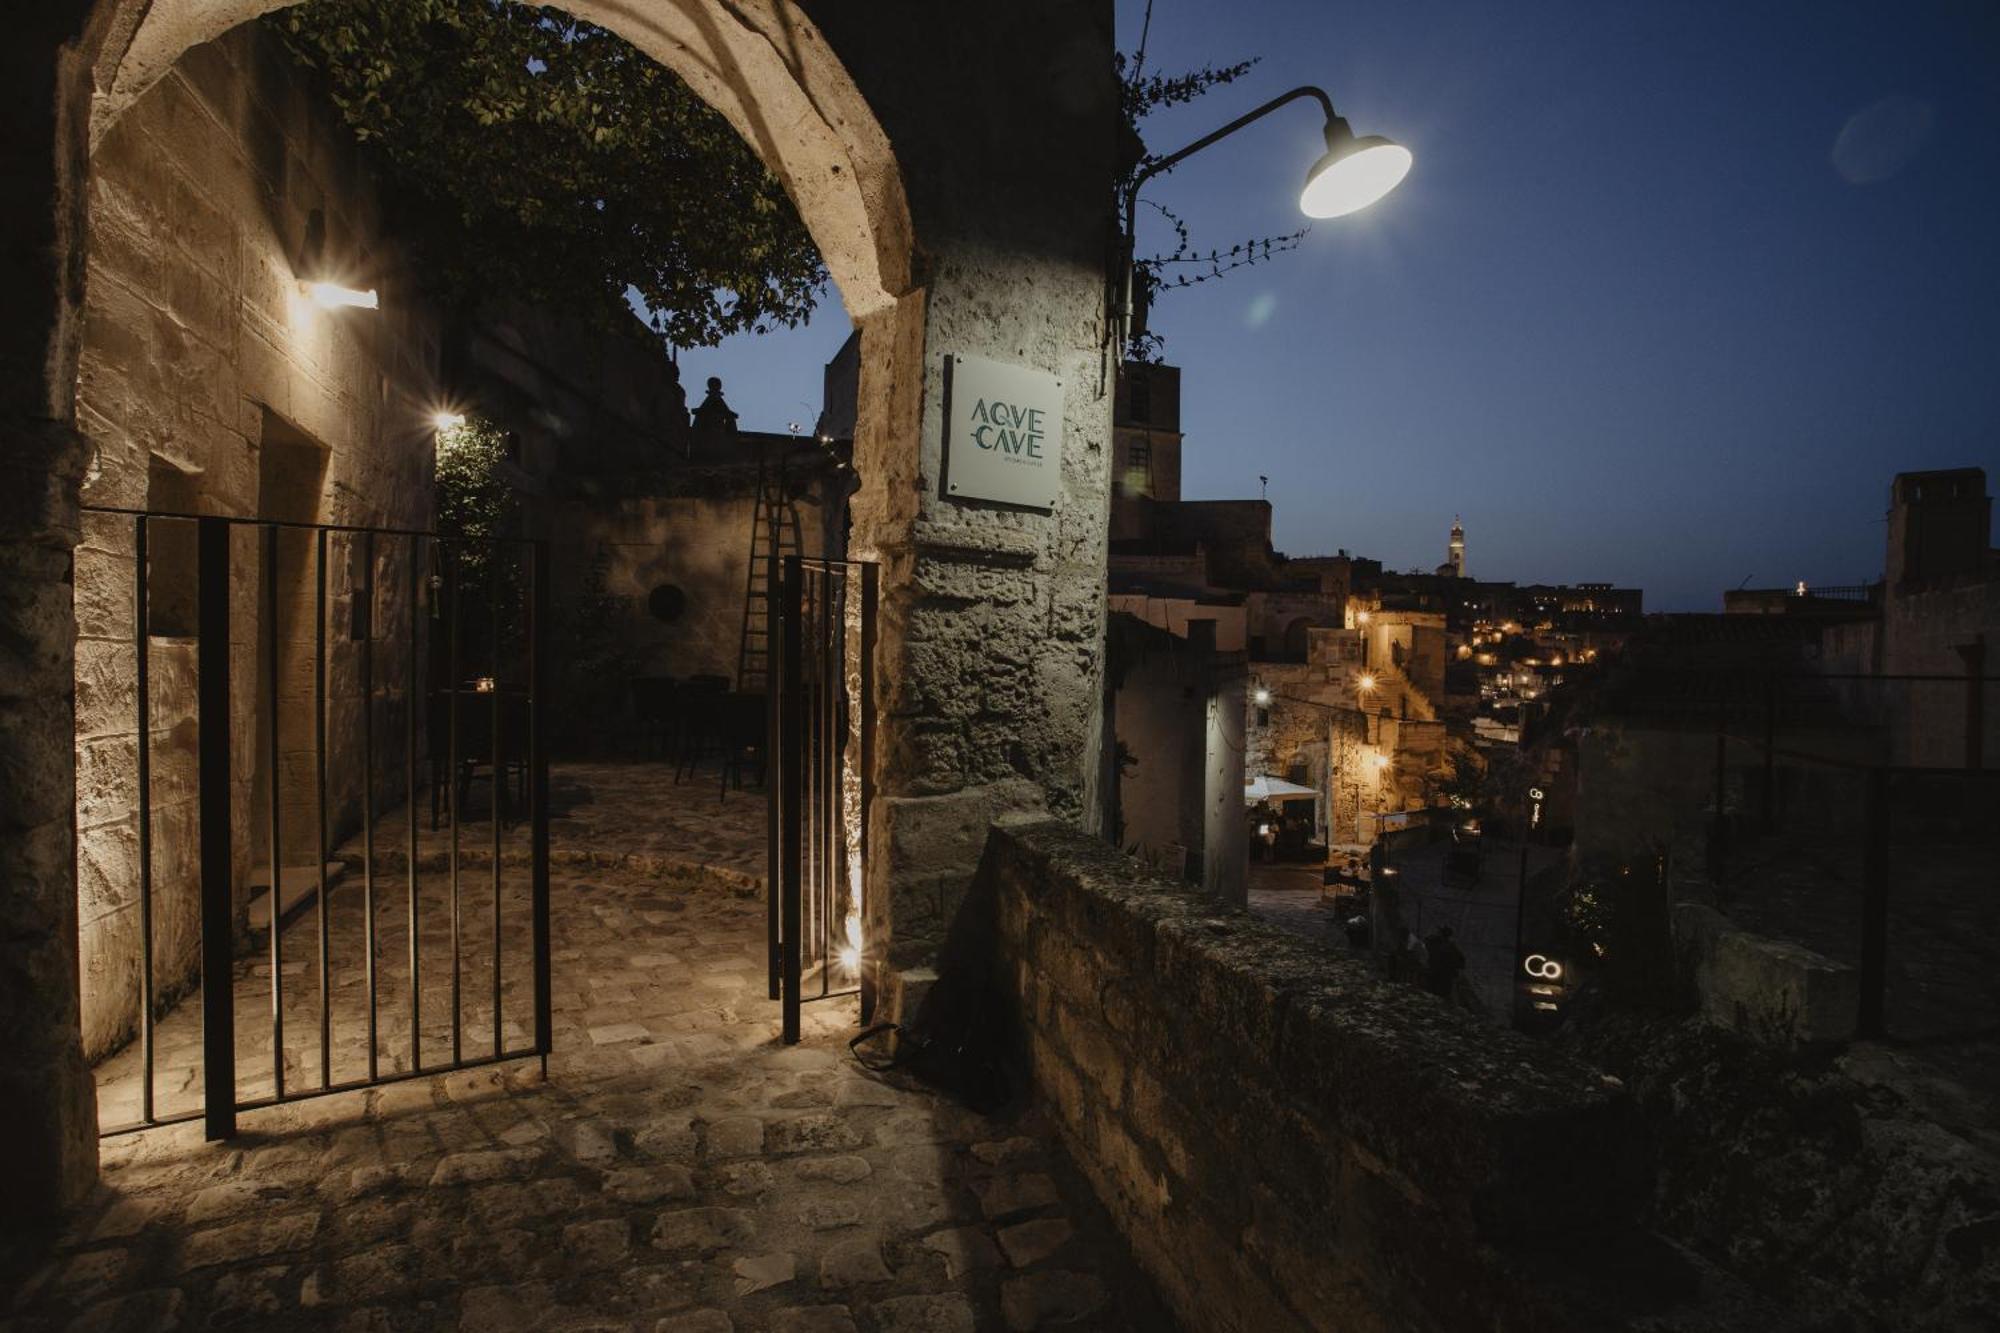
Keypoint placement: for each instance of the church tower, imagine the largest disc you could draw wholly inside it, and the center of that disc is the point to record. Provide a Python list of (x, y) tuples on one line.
[(1455, 555)]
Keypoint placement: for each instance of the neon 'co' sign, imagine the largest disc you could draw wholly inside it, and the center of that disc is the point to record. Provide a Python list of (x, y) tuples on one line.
[(1542, 967)]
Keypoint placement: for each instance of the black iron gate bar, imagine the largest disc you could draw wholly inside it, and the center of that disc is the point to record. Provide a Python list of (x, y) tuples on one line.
[(220, 1102), (811, 716)]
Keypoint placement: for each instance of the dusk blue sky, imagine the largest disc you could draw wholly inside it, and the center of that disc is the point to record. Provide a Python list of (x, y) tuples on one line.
[(1671, 293)]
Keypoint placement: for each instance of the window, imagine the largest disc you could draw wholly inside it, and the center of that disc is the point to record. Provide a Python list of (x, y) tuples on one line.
[(1139, 453), (1138, 396)]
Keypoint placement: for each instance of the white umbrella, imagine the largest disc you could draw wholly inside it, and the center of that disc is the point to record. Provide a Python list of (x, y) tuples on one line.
[(1264, 787)]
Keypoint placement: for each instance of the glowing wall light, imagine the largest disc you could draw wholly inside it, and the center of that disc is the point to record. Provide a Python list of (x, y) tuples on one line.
[(333, 296)]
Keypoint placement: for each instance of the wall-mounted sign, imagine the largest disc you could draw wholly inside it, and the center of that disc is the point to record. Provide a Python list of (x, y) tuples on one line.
[(1002, 433)]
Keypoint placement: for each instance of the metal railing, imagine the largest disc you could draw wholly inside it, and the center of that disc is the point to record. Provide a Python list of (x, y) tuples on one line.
[(1817, 833), (431, 564), (822, 711)]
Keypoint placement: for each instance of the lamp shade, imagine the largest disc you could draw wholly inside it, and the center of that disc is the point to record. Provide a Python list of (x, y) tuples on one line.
[(1353, 174)]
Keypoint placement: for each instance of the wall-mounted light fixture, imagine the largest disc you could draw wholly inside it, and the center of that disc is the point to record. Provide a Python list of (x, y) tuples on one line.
[(319, 283), (448, 420), (333, 296), (1352, 174)]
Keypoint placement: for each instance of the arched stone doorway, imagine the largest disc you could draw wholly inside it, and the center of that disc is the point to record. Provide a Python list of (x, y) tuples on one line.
[(966, 237)]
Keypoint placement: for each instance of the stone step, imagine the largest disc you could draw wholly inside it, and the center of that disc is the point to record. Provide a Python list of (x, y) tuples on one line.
[(296, 886)]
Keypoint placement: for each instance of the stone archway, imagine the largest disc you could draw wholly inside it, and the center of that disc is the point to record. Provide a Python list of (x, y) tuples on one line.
[(764, 66), (950, 227)]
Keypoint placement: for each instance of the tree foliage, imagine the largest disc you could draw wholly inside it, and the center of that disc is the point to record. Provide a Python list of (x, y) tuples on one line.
[(475, 500), (542, 156)]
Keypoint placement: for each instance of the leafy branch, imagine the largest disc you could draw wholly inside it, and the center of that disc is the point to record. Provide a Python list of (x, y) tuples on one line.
[(538, 155)]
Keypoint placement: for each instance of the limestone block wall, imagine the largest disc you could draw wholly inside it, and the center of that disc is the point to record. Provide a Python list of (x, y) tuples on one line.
[(992, 617), (1283, 622), (1287, 1140), (1769, 989), (698, 543), (209, 384)]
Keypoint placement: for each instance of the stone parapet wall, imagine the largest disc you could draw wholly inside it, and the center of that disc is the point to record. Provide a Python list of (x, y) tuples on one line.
[(1287, 1140), (1769, 989)]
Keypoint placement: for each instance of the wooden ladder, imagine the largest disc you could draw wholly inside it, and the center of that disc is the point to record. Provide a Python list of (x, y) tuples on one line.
[(774, 534)]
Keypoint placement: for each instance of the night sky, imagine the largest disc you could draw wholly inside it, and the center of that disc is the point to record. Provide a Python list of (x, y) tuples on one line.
[(1671, 293)]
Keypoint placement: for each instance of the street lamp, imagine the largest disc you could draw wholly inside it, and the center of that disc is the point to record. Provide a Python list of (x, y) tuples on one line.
[(1352, 174)]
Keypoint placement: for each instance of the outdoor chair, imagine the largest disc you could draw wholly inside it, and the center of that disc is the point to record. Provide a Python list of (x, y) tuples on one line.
[(702, 701), (475, 749), (656, 705), (742, 727)]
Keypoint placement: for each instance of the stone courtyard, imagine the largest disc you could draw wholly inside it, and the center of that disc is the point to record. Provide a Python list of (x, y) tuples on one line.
[(678, 1168)]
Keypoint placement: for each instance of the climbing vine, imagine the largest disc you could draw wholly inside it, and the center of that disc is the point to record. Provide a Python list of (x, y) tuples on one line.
[(1140, 95)]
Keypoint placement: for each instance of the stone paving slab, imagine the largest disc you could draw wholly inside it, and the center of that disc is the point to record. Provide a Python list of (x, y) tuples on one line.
[(678, 1170), (630, 813), (631, 816)]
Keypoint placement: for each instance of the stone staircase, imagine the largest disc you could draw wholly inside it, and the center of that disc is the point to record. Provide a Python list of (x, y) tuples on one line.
[(1393, 688)]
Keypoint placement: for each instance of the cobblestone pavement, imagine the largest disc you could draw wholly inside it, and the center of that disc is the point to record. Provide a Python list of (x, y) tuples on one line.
[(1483, 914), (608, 816), (680, 1171), (1290, 896), (633, 812)]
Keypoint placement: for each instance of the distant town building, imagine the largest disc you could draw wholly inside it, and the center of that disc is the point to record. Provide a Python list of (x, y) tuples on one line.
[(1146, 445), (1342, 699), (1454, 561), (1890, 673), (1936, 613)]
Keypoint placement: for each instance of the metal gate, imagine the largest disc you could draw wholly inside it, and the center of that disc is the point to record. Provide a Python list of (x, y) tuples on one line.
[(347, 682), (823, 740)]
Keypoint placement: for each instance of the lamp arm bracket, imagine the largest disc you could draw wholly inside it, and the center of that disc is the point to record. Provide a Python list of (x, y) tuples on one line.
[(1175, 158)]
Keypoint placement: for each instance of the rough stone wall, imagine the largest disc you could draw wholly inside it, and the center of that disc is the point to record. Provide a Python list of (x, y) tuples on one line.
[(1286, 1140), (1272, 616), (699, 543), (960, 215), (1160, 714), (1921, 631), (46, 1098), (1771, 990), (1316, 736), (1854, 1192), (1296, 717), (992, 617), (208, 383)]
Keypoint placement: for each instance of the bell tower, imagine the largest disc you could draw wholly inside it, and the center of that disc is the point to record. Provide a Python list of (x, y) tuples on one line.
[(1455, 553)]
